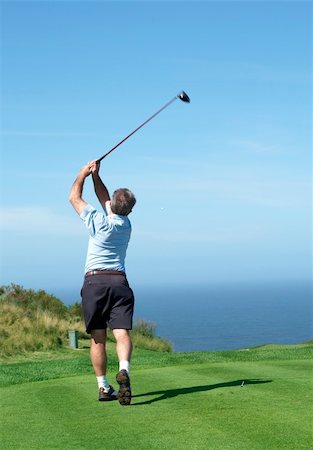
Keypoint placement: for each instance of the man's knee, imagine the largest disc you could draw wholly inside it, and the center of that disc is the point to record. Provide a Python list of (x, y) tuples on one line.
[(98, 336), (121, 334)]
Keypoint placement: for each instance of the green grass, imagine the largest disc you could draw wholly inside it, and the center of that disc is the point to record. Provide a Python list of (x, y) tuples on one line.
[(181, 401)]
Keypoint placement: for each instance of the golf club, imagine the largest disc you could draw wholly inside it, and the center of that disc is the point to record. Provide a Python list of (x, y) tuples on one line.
[(182, 96)]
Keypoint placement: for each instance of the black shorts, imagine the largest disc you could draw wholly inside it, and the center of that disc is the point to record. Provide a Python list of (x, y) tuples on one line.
[(107, 300)]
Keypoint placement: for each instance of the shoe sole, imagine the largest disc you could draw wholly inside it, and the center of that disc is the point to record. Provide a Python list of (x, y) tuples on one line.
[(107, 396), (124, 394), (112, 399)]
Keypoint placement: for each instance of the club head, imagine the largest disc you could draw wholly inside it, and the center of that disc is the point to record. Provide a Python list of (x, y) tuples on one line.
[(183, 97)]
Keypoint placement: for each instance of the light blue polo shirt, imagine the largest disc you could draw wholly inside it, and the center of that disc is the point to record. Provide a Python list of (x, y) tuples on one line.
[(108, 241)]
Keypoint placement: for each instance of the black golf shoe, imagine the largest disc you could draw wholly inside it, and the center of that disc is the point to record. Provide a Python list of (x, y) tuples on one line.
[(124, 394), (104, 396)]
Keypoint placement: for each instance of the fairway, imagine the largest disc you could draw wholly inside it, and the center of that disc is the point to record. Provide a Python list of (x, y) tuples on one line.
[(188, 406)]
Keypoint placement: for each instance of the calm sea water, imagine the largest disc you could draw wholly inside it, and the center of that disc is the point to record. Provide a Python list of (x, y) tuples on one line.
[(228, 317)]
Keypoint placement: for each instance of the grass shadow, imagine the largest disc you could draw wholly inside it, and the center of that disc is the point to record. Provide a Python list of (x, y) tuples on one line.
[(170, 393)]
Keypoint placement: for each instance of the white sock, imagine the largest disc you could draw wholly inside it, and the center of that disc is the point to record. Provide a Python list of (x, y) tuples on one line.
[(103, 382), (124, 365)]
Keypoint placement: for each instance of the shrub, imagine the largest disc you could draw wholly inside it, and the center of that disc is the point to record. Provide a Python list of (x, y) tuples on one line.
[(144, 336), (145, 328), (155, 343), (37, 321), (33, 300), (33, 321), (75, 311)]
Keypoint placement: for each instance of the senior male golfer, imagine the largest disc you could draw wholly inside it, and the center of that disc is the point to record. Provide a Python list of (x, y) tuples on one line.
[(107, 298)]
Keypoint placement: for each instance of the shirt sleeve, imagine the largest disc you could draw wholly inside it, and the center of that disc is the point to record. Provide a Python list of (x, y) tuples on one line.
[(93, 219)]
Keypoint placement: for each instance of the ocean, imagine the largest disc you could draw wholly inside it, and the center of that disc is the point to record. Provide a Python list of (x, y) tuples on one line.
[(228, 316), (225, 316)]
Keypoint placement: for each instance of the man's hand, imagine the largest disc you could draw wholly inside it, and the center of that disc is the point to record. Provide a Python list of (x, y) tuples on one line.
[(95, 167), (86, 170)]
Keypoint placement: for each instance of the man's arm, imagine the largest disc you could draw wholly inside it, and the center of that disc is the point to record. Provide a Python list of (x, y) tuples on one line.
[(100, 189), (76, 193)]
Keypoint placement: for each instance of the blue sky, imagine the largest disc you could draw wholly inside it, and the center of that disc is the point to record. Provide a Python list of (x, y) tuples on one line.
[(223, 185)]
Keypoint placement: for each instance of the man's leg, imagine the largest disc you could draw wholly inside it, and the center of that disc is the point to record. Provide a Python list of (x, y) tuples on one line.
[(98, 358), (124, 351), (123, 345), (98, 354)]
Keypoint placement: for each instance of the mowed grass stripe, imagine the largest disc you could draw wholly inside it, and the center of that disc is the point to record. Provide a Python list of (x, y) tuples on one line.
[(178, 407), (282, 383)]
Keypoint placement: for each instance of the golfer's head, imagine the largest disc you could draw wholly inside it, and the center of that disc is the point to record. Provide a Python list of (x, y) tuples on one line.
[(122, 202)]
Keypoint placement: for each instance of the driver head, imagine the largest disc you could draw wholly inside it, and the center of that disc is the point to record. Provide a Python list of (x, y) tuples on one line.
[(183, 97)]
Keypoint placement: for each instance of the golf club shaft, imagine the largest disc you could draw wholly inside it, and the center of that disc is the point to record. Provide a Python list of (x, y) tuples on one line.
[(138, 128)]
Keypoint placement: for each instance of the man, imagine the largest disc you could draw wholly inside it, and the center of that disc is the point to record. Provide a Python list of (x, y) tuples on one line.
[(106, 295)]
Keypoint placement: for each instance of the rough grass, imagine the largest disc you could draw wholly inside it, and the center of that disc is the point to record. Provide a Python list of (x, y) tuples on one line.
[(154, 343), (144, 336), (31, 300), (34, 321), (27, 331)]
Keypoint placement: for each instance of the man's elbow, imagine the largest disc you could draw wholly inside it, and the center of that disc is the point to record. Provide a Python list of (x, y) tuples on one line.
[(73, 199), (78, 203)]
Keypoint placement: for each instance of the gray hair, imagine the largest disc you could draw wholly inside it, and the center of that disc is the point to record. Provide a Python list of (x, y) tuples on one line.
[(123, 201)]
